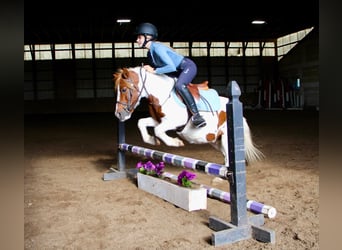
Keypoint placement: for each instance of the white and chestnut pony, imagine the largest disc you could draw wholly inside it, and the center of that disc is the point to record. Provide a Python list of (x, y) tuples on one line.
[(168, 112)]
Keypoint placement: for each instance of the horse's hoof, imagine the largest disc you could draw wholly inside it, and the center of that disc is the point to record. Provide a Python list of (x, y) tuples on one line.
[(176, 143), (151, 142)]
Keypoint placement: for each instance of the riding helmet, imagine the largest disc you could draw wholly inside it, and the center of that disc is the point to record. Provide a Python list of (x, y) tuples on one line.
[(147, 29)]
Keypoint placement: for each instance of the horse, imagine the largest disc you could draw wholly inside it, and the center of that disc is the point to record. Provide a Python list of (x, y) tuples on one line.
[(169, 113)]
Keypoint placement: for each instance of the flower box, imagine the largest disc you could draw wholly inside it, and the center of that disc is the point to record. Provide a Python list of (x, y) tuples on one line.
[(189, 199)]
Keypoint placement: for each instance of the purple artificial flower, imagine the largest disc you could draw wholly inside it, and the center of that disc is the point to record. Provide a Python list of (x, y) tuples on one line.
[(159, 168), (139, 165), (185, 177), (149, 166), (150, 169)]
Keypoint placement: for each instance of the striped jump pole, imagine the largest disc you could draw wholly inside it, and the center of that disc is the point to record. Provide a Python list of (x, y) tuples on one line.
[(177, 160)]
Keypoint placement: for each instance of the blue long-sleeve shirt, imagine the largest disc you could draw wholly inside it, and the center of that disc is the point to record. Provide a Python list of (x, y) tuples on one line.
[(163, 58)]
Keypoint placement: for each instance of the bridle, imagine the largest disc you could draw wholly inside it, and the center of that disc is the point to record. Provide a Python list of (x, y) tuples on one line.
[(130, 105)]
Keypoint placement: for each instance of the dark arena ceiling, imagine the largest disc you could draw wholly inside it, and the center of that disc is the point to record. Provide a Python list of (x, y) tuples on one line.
[(64, 21)]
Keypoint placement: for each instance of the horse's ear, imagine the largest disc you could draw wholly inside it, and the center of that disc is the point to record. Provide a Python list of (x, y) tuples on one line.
[(125, 73), (117, 73), (116, 76)]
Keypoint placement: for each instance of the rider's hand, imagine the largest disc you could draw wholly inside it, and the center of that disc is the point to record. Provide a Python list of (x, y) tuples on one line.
[(148, 68)]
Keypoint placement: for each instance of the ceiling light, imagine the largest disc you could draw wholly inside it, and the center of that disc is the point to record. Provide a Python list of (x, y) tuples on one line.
[(258, 22), (123, 21)]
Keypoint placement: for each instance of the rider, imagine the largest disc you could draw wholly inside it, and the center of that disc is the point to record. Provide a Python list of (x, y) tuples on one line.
[(164, 60)]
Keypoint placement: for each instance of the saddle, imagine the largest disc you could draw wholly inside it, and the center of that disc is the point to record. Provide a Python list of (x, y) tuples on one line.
[(195, 88)]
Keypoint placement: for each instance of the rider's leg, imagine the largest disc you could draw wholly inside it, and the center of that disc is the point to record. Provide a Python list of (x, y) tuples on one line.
[(197, 119)]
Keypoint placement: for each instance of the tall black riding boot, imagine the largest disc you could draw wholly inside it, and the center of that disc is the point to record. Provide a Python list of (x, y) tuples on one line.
[(197, 120)]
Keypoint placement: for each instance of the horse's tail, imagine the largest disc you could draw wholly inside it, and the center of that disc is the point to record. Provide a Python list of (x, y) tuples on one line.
[(252, 153)]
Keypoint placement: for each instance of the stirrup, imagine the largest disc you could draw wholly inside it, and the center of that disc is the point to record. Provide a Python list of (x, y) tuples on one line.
[(198, 121)]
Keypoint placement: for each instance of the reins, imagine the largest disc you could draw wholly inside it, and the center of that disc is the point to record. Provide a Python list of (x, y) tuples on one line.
[(143, 80), (144, 86), (129, 106)]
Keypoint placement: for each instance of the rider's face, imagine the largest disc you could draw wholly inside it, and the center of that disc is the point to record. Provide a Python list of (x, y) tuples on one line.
[(140, 40)]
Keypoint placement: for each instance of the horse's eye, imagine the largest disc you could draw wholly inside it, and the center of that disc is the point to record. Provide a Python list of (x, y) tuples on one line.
[(123, 90)]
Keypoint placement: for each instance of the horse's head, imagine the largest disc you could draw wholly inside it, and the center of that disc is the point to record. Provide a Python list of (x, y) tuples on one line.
[(127, 93)]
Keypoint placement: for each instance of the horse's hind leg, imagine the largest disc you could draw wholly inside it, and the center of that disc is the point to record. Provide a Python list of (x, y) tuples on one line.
[(143, 123), (221, 145)]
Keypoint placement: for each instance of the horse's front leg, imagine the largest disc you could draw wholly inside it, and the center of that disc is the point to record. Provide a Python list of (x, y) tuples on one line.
[(160, 132), (143, 123)]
